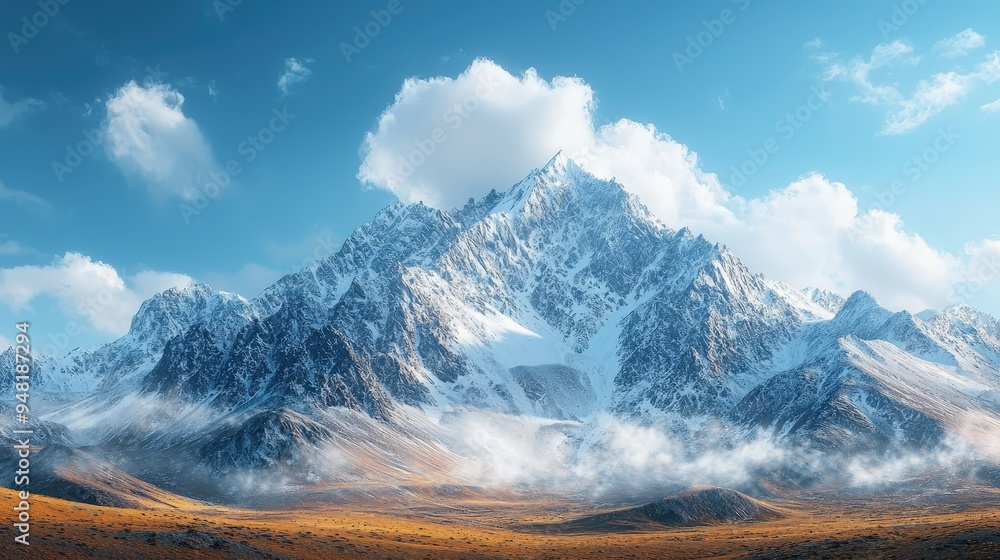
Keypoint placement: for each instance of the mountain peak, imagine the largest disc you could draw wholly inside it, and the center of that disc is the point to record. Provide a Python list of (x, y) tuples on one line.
[(685, 232), (862, 297), (557, 178), (562, 163), (966, 313), (831, 301), (171, 299), (562, 169), (860, 303), (173, 310), (188, 290), (961, 309)]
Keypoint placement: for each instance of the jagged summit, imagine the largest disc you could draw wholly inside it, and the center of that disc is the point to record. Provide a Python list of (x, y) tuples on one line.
[(828, 300), (967, 313), (859, 303), (174, 306), (170, 313), (562, 183), (561, 162)]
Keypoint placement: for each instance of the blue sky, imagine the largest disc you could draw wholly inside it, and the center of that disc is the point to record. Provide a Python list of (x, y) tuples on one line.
[(795, 110)]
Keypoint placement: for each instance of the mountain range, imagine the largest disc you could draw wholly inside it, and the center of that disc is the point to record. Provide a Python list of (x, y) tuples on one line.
[(554, 332)]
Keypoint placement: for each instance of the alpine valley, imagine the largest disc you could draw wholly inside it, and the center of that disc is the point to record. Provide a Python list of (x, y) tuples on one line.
[(553, 339)]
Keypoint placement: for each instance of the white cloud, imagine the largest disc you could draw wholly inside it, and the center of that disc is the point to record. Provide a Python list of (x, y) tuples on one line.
[(10, 111), (808, 233), (960, 44), (5, 343), (149, 137), (991, 107), (84, 288), (931, 96), (812, 233), (662, 172), (147, 283), (982, 272), (11, 247), (295, 72), (938, 93), (985, 255), (859, 71), (22, 198), (495, 126)]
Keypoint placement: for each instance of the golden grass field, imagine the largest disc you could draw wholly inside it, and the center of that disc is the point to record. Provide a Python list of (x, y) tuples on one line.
[(476, 527)]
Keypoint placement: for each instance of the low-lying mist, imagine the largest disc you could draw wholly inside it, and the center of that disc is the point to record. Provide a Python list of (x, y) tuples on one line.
[(606, 454), (598, 458)]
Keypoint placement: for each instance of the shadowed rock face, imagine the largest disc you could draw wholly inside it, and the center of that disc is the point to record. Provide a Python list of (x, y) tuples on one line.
[(707, 506), (266, 440), (562, 392), (697, 506), (71, 474)]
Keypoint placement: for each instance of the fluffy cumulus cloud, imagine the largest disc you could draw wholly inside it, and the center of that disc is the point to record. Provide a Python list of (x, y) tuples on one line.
[(662, 172), (148, 136), (982, 272), (295, 71), (443, 140), (92, 291)]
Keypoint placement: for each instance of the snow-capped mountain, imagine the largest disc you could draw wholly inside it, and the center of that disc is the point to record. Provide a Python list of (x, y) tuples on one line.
[(113, 366), (560, 300)]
